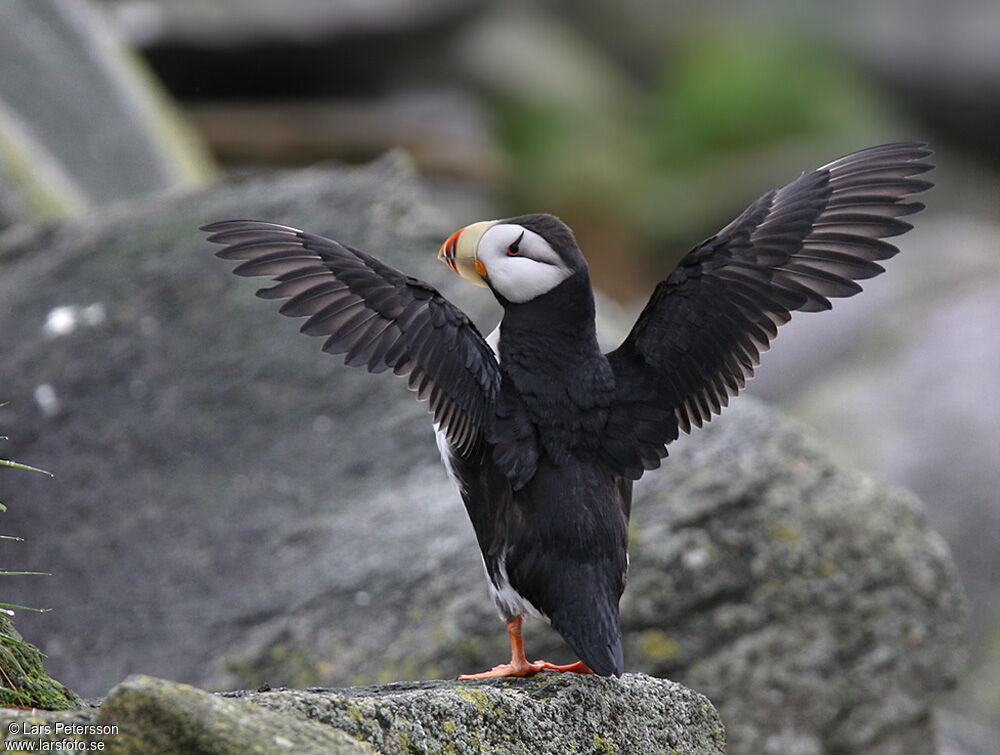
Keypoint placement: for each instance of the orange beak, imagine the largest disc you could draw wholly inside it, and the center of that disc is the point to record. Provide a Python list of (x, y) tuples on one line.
[(449, 250), (460, 252)]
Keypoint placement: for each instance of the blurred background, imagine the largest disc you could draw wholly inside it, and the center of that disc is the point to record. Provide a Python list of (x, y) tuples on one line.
[(646, 126)]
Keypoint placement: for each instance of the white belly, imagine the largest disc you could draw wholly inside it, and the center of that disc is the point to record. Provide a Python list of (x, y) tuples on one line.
[(509, 602)]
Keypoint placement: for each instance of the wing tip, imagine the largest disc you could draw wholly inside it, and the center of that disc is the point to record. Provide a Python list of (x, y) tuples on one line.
[(220, 228)]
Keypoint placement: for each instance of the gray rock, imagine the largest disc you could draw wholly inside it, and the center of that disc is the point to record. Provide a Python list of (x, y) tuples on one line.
[(549, 713), (81, 121), (814, 603), (223, 482)]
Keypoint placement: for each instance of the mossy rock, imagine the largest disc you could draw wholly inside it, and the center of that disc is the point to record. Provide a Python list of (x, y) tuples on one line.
[(23, 681), (156, 716)]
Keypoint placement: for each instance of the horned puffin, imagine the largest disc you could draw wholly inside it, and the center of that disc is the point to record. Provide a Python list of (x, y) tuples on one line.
[(543, 433)]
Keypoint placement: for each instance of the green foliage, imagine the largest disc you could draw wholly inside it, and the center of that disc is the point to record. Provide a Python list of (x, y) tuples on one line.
[(16, 465), (728, 91)]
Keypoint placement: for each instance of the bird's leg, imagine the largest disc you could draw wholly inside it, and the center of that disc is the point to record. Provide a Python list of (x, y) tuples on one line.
[(519, 664)]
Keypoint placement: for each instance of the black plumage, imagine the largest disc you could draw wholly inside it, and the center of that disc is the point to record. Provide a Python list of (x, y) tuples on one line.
[(545, 437)]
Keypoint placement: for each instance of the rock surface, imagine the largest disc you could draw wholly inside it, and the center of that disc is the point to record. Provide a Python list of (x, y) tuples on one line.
[(547, 714), (221, 480), (81, 121)]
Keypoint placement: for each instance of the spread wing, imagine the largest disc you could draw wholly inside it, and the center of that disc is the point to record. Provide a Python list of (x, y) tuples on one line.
[(700, 336), (378, 317)]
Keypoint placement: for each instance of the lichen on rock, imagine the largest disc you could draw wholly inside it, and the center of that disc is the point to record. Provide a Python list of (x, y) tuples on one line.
[(549, 714)]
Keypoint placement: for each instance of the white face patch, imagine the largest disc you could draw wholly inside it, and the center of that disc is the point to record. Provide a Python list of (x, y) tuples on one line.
[(530, 269)]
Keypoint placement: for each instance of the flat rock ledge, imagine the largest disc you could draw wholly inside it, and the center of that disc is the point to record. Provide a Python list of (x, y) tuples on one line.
[(548, 713)]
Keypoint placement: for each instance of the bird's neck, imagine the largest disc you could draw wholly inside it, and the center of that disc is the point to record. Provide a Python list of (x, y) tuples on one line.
[(548, 349), (552, 330)]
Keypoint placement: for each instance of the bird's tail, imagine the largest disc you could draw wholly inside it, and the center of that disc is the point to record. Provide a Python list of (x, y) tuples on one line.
[(592, 631)]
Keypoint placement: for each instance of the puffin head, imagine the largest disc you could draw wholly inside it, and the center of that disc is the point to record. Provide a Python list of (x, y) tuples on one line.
[(519, 258)]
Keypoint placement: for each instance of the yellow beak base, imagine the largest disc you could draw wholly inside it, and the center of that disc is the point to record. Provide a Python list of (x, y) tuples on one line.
[(459, 252)]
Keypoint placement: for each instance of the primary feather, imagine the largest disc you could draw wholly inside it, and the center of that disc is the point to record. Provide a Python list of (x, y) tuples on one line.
[(700, 337), (378, 317)]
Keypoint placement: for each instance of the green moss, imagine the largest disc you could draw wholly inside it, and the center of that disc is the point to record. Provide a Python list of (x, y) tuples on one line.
[(404, 741), (356, 715), (478, 698), (23, 681), (657, 645), (602, 745)]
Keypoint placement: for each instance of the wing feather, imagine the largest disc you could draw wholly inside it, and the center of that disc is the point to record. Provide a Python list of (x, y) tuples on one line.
[(378, 317), (702, 333)]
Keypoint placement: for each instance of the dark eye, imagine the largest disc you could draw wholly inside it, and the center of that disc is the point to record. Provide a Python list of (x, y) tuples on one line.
[(515, 248)]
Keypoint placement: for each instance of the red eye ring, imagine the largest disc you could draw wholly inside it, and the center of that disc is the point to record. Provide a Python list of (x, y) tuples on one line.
[(514, 249)]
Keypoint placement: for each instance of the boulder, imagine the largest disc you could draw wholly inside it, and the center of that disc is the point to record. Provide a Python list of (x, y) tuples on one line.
[(151, 715), (81, 120), (904, 387), (231, 507), (547, 714)]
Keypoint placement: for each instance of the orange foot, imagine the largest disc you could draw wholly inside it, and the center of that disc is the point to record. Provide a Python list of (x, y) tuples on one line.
[(519, 665), (526, 669)]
